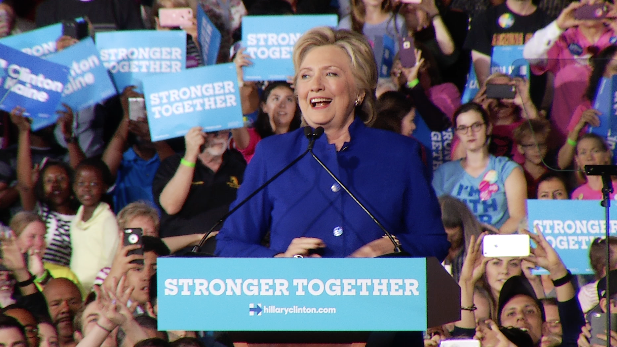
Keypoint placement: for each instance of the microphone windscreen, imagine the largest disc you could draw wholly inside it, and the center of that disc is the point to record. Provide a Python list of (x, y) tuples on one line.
[(318, 132), (308, 132)]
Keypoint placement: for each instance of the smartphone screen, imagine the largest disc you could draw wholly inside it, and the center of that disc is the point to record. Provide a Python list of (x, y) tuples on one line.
[(137, 108), (133, 236), (175, 17), (506, 245), (500, 91)]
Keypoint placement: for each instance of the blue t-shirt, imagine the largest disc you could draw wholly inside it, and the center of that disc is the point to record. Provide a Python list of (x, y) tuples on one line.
[(485, 195)]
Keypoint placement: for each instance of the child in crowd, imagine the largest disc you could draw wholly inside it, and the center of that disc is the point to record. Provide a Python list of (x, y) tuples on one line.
[(531, 139), (591, 149), (94, 231)]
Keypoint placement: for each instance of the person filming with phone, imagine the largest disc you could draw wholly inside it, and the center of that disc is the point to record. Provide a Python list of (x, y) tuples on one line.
[(595, 333)]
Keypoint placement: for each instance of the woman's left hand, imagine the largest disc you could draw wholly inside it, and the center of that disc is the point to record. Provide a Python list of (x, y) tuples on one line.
[(374, 249)]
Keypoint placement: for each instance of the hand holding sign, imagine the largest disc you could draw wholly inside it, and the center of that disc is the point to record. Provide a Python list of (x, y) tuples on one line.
[(65, 42), (17, 117), (194, 139), (241, 60), (65, 121), (591, 117)]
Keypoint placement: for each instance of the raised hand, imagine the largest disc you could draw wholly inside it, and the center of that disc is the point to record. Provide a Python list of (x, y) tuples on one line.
[(66, 121), (475, 263), (12, 258), (194, 139), (544, 255), (17, 117)]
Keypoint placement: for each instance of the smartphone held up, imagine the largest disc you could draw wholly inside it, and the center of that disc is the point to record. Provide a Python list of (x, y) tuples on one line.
[(506, 246)]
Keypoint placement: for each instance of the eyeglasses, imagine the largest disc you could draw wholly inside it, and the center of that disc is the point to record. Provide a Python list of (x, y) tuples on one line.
[(475, 127)]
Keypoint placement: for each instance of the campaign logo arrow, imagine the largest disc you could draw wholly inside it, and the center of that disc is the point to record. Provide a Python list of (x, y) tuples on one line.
[(255, 310)]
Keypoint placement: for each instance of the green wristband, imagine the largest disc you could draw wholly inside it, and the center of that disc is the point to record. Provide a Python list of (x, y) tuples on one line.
[(186, 163), (413, 83), (571, 142)]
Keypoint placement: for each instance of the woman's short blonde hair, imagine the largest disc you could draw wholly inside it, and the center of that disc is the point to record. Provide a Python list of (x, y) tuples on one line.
[(21, 220), (360, 53), (138, 209)]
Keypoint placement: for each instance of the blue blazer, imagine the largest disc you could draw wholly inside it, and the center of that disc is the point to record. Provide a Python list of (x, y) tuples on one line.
[(383, 169)]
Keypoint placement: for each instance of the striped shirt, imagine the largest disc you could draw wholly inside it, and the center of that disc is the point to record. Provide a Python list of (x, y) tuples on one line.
[(58, 236)]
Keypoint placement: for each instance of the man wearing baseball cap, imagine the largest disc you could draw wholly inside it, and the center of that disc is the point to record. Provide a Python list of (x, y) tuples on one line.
[(519, 306)]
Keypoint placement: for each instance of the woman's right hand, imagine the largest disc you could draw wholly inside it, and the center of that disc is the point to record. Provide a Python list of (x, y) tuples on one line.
[(566, 18), (590, 117), (242, 59), (302, 246), (122, 262), (475, 262)]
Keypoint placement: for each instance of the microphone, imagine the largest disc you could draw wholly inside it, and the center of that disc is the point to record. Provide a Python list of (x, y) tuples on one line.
[(312, 135)]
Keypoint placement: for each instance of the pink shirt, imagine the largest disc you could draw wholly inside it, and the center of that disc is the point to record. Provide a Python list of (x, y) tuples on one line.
[(585, 192), (249, 151), (568, 61), (445, 96)]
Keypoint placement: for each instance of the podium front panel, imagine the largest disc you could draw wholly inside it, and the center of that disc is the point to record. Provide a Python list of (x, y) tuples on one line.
[(309, 294)]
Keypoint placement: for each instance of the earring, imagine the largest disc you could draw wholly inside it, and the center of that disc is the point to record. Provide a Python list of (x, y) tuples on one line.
[(356, 103)]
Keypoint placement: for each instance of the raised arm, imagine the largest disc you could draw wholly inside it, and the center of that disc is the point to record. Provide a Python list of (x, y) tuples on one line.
[(568, 149), (516, 196), (76, 154), (114, 151), (174, 194), (473, 269), (25, 182)]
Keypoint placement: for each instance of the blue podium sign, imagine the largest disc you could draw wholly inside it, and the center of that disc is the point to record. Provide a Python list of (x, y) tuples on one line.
[(269, 40), (207, 96), (570, 226), (239, 294), (132, 55)]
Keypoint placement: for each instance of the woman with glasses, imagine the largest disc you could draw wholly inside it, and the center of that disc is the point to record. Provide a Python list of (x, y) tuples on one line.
[(493, 188)]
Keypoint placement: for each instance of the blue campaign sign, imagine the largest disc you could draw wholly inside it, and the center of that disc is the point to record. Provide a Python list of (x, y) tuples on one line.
[(471, 87), (603, 103), (206, 96), (130, 56), (32, 83), (438, 143), (570, 226), (269, 40), (235, 294), (89, 81), (509, 60), (208, 36), (384, 48), (40, 42)]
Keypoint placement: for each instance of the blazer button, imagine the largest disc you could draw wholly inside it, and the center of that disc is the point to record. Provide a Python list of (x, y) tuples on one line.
[(335, 187), (338, 231)]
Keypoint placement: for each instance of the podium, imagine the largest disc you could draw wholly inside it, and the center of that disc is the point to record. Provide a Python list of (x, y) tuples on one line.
[(308, 300)]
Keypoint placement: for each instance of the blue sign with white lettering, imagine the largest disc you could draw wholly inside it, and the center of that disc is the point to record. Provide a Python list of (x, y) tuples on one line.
[(89, 81), (32, 83), (269, 40), (209, 37), (206, 96), (39, 43), (130, 56), (437, 143), (509, 60), (235, 294), (505, 59), (570, 226)]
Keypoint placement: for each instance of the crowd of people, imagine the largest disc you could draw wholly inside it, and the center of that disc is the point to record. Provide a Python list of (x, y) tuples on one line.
[(340, 138)]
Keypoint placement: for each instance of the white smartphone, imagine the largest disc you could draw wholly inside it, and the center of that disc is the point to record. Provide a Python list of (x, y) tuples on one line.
[(460, 343), (137, 108), (506, 245)]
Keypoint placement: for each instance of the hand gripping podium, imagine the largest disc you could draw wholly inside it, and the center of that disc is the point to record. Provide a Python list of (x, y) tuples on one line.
[(308, 300)]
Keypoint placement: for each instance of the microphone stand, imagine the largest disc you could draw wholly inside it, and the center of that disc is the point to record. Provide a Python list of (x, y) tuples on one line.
[(606, 171), (195, 249), (398, 251)]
